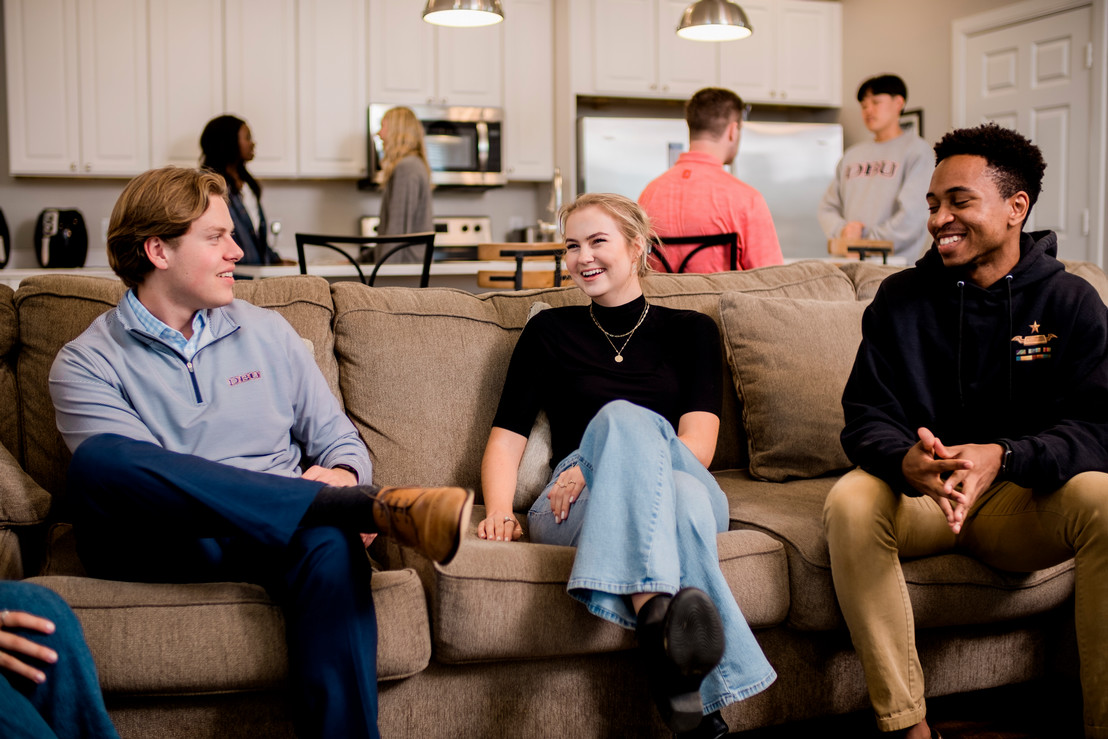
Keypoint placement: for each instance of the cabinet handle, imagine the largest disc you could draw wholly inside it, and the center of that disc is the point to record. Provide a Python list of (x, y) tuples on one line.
[(73, 166), (773, 93), (783, 95), (653, 86), (665, 88), (88, 167)]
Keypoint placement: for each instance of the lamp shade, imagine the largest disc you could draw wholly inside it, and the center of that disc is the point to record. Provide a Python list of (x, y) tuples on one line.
[(463, 13), (714, 20)]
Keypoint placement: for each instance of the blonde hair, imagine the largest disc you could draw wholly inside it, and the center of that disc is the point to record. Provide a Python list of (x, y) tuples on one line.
[(161, 203), (405, 139), (632, 221)]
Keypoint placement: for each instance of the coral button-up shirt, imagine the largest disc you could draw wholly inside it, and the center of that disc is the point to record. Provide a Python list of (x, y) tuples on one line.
[(697, 196)]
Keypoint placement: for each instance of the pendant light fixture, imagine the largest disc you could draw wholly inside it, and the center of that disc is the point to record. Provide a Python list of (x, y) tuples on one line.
[(714, 20), (463, 13)]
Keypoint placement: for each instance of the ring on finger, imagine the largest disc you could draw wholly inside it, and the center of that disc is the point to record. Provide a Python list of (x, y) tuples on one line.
[(4, 617)]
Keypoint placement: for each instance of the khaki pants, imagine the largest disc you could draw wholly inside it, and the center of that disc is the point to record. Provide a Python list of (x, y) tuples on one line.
[(869, 527)]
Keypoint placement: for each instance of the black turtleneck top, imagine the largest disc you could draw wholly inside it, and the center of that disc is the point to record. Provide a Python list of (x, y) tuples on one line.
[(563, 364)]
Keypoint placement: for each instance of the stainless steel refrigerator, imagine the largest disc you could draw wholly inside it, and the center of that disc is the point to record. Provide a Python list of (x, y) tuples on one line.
[(791, 164)]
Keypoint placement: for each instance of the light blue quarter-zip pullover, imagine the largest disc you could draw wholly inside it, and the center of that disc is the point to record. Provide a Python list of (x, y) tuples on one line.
[(251, 397)]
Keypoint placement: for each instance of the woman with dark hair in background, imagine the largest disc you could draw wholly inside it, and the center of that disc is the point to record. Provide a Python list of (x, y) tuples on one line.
[(227, 146)]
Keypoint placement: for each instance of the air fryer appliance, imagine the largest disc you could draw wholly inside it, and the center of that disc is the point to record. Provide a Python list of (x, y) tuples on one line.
[(61, 239), (5, 239)]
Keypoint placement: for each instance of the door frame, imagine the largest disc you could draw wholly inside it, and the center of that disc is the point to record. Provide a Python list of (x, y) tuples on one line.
[(1028, 10)]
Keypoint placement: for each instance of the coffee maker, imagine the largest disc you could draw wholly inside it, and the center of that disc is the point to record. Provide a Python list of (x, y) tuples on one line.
[(61, 238)]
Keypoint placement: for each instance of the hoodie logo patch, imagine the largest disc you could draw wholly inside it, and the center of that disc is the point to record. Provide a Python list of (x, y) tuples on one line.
[(1034, 344), (238, 380)]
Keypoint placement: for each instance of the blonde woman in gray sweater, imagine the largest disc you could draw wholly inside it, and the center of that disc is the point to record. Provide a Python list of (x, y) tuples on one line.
[(406, 203)]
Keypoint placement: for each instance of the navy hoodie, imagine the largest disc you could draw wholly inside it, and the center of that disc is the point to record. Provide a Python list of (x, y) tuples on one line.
[(1023, 361)]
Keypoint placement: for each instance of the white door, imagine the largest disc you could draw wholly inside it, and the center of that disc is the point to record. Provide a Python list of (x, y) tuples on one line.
[(1035, 77), (748, 66), (470, 65), (528, 94)]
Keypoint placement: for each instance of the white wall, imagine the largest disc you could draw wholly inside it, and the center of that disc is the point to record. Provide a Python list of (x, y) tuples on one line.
[(907, 38)]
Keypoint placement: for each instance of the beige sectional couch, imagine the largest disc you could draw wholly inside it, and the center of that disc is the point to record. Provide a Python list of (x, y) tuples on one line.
[(491, 645)]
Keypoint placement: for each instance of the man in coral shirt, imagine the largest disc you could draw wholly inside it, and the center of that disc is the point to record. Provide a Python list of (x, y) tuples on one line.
[(698, 197)]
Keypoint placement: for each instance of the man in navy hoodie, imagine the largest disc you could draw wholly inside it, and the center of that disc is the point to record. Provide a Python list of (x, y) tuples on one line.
[(207, 446), (976, 413)]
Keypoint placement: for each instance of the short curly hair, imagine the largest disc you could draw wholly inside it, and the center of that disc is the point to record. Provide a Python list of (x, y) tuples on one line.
[(1014, 163)]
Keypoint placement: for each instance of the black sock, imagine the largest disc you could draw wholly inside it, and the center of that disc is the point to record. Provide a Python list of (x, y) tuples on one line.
[(344, 507)]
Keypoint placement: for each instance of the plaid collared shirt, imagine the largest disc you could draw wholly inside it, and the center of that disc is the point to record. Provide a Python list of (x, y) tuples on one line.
[(171, 336)]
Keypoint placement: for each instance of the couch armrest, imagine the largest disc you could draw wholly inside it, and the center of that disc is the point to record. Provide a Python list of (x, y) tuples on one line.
[(22, 503)]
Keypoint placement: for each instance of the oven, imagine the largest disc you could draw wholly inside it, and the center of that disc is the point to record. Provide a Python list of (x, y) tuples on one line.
[(456, 237)]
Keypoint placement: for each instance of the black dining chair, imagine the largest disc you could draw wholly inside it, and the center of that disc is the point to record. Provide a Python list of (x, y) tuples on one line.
[(730, 240), (394, 242)]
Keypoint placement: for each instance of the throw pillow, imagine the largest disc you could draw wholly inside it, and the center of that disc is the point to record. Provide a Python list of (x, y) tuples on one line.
[(790, 359)]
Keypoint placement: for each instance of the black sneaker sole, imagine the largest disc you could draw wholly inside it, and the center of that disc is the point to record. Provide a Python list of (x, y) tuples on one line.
[(693, 645)]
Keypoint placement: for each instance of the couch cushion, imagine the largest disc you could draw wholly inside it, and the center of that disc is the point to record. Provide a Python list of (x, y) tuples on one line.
[(1089, 271), (55, 309), (221, 637), (945, 590), (867, 276), (790, 359), (9, 393), (305, 302), (421, 370), (22, 501), (499, 600)]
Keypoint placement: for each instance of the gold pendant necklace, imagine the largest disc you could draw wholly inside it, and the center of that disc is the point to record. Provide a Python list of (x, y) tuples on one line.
[(629, 334)]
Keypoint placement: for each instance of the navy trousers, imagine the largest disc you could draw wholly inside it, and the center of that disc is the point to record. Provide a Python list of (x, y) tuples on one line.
[(69, 703), (142, 513)]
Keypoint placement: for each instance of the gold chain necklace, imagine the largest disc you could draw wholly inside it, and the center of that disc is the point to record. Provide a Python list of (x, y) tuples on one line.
[(629, 334)]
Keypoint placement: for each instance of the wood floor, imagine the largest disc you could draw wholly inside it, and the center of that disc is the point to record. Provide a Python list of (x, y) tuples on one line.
[(1030, 711)]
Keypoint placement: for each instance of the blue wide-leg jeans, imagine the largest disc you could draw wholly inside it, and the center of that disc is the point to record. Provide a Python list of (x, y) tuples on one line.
[(647, 522), (147, 514), (69, 704)]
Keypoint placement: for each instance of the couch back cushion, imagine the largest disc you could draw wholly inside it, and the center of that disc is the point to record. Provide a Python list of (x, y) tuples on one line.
[(421, 370), (9, 393), (790, 359), (55, 309)]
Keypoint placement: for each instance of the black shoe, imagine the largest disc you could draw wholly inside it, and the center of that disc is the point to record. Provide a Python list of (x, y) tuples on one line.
[(682, 640), (711, 726)]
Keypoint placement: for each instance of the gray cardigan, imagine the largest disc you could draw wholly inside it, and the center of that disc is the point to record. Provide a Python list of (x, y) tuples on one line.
[(406, 206)]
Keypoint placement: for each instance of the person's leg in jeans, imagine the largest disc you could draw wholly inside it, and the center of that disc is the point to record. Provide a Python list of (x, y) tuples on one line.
[(647, 522), (68, 703)]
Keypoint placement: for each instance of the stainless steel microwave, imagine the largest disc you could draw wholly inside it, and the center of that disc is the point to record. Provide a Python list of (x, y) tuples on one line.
[(464, 144)]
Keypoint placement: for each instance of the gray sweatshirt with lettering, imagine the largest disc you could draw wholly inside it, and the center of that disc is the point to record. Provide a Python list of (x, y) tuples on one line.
[(884, 186)]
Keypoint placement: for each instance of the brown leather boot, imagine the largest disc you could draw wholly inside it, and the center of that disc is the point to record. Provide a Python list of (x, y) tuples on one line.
[(431, 520)]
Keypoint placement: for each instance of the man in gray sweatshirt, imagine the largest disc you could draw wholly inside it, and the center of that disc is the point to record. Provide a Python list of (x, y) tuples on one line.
[(207, 446), (880, 186)]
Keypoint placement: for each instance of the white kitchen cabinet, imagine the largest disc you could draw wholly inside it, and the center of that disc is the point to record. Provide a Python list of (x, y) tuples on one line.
[(332, 63), (77, 87), (636, 51), (794, 56), (261, 79), (186, 77), (529, 91), (412, 62)]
